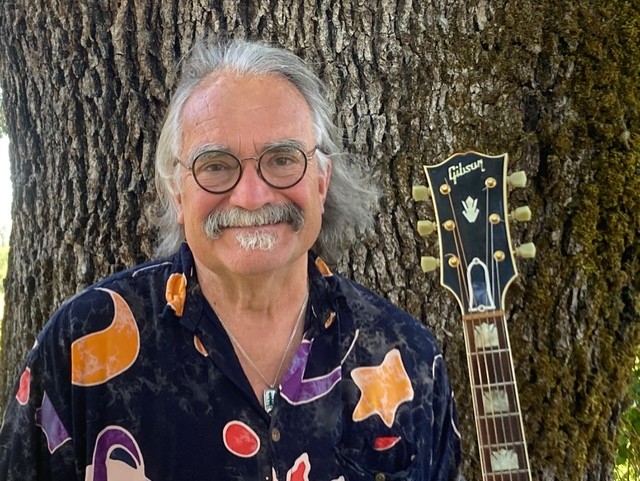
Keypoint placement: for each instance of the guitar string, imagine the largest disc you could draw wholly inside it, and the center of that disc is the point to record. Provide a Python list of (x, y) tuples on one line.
[(476, 398), (515, 427), (512, 398), (497, 420), (489, 248), (495, 280), (462, 280), (468, 336), (500, 323), (516, 400), (470, 340), (515, 423)]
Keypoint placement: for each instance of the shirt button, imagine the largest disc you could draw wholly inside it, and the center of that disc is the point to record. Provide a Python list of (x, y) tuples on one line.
[(275, 435), (380, 477)]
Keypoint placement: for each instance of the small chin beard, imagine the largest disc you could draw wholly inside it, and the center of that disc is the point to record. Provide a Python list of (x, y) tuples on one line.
[(257, 241)]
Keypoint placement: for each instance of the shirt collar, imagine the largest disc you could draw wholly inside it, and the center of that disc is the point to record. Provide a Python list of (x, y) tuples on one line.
[(185, 300)]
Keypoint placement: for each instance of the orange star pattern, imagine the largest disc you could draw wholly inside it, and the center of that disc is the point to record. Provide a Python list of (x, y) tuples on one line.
[(383, 388)]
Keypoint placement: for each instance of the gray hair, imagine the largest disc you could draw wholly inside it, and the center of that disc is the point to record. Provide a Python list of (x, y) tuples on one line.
[(352, 197)]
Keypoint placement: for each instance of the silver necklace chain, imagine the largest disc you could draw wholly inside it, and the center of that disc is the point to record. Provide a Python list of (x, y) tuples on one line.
[(284, 354)]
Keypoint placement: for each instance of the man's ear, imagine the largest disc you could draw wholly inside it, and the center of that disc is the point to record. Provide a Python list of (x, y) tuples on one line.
[(176, 199), (323, 183)]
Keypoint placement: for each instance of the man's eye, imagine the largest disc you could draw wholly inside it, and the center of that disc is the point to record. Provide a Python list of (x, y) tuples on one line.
[(280, 160), (214, 166), (215, 163), (284, 160)]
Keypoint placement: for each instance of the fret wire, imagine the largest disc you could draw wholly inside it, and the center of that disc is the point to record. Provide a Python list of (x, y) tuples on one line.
[(494, 446), (493, 351), (496, 384), (509, 414), (497, 475), (511, 470)]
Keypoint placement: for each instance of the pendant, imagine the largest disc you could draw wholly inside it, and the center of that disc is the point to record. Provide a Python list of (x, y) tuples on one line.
[(269, 398)]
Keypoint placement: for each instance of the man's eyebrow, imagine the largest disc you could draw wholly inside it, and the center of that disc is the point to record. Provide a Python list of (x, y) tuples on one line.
[(201, 149), (285, 143)]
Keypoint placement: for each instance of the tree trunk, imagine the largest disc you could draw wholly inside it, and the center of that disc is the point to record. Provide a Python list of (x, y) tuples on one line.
[(553, 83)]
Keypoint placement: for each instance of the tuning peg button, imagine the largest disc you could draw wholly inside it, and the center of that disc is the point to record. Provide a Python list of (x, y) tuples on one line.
[(517, 179), (429, 264), (521, 214), (426, 227), (526, 251), (420, 193)]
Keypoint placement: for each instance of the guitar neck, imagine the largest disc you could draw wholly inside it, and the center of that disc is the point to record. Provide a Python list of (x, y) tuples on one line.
[(501, 439), (469, 193)]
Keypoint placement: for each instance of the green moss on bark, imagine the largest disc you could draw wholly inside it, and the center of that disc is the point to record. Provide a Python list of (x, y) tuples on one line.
[(581, 370)]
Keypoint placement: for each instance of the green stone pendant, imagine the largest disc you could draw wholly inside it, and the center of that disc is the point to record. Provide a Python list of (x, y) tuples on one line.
[(269, 398)]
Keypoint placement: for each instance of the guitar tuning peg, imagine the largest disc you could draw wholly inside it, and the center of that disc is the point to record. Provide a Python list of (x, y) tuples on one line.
[(429, 264), (526, 251), (426, 227), (517, 179), (420, 193), (521, 214)]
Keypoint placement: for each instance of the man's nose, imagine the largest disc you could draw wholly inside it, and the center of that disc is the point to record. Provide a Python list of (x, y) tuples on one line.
[(252, 191)]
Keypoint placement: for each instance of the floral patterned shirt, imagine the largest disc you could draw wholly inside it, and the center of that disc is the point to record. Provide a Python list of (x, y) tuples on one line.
[(135, 379)]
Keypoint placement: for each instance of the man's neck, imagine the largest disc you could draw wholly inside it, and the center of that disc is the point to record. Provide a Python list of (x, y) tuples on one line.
[(265, 296)]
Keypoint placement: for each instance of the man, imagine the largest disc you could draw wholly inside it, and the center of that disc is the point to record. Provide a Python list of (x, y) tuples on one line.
[(242, 357)]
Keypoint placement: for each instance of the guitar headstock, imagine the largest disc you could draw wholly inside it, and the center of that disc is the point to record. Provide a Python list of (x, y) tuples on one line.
[(469, 193)]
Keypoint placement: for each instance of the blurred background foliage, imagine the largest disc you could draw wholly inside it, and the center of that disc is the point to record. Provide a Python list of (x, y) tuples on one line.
[(628, 458)]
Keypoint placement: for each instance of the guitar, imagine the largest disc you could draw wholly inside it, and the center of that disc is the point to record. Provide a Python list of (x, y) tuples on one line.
[(477, 265)]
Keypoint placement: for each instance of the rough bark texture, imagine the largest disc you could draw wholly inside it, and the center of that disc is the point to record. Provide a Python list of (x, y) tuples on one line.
[(554, 83)]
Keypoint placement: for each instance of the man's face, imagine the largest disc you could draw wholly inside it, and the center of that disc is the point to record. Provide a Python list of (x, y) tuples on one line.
[(243, 115)]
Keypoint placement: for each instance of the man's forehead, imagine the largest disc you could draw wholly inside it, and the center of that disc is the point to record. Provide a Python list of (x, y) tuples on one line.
[(245, 114), (247, 90)]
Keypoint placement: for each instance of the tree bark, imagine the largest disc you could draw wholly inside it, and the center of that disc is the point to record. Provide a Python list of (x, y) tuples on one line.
[(553, 83)]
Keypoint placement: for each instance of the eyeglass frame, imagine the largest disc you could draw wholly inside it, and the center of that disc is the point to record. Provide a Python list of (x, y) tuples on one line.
[(214, 148)]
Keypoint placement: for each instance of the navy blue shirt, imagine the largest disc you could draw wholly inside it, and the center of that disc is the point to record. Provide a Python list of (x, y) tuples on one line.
[(135, 378)]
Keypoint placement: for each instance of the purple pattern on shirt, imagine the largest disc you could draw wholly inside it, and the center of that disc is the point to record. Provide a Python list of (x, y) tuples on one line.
[(47, 418), (297, 390), (110, 438)]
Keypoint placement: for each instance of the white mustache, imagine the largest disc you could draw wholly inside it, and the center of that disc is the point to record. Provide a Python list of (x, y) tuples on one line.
[(268, 214)]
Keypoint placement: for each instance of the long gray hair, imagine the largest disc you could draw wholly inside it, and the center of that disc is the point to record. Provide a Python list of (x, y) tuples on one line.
[(352, 198)]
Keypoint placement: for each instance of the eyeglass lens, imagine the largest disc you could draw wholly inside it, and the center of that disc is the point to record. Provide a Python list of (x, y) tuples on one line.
[(280, 167)]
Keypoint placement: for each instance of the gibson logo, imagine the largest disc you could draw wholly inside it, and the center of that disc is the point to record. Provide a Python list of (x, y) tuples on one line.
[(459, 170)]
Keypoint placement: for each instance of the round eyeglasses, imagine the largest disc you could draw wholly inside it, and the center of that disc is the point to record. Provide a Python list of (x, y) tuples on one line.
[(281, 167)]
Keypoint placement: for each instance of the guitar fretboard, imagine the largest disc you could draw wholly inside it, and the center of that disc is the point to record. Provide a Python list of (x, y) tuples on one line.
[(469, 193), (503, 449)]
